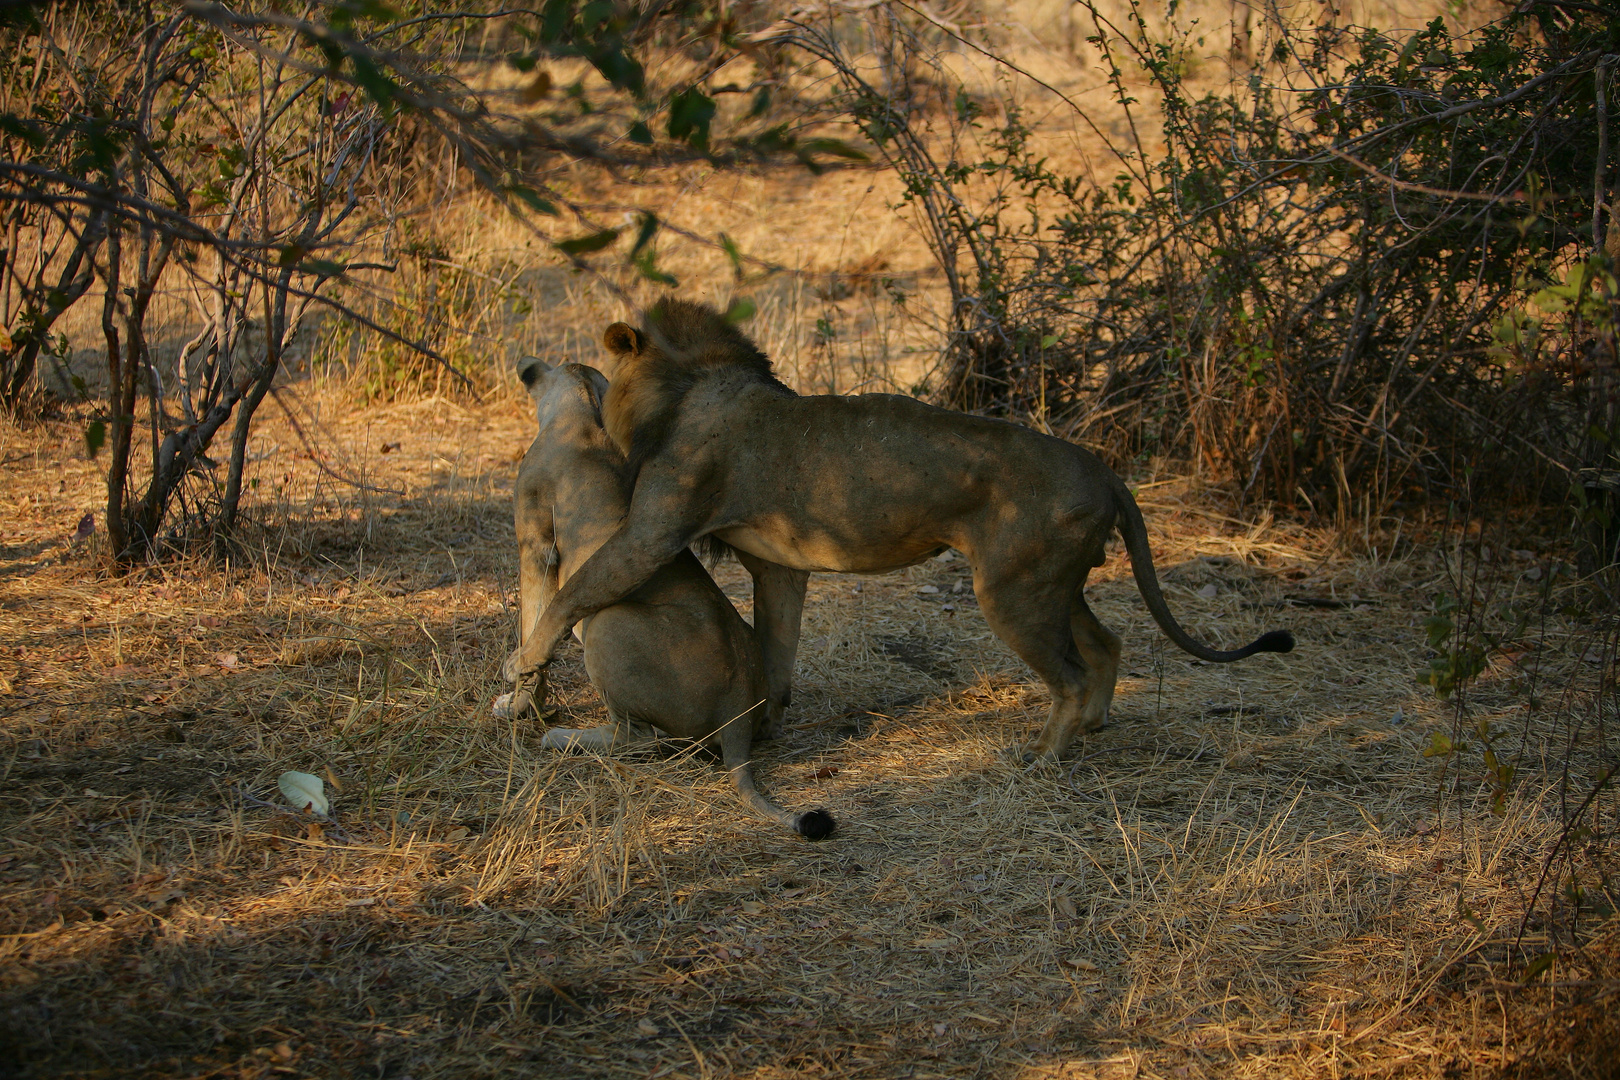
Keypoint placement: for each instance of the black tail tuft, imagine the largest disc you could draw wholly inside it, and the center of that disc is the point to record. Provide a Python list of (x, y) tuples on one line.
[(815, 825), (1275, 641)]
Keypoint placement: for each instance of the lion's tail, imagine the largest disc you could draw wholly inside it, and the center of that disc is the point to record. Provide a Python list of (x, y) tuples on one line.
[(1134, 531)]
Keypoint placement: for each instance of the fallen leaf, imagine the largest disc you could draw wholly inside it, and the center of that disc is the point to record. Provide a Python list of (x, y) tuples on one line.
[(226, 660), (282, 1052), (929, 589), (1208, 591), (646, 1027), (313, 831), (753, 907), (1080, 963), (87, 526), (305, 792), (366, 901), (826, 772), (458, 834), (1065, 907), (390, 447)]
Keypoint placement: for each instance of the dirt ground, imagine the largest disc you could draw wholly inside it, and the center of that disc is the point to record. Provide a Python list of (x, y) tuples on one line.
[(1252, 871)]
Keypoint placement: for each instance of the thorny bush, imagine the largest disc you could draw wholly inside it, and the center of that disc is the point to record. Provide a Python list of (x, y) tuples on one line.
[(1303, 291)]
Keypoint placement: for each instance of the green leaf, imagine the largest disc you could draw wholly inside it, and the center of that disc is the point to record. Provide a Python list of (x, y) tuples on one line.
[(690, 113), (640, 133), (292, 255), (619, 68), (26, 130), (532, 199), (1438, 628), (646, 265), (350, 10), (95, 436), (644, 233), (322, 267), (834, 147), (1048, 341), (1539, 965), (741, 309), (734, 254), (585, 245), (379, 87), (1439, 746), (554, 20)]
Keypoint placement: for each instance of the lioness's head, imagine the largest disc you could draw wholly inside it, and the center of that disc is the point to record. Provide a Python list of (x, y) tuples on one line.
[(562, 388)]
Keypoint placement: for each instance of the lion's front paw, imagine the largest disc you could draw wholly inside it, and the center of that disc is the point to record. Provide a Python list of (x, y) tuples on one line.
[(516, 666)]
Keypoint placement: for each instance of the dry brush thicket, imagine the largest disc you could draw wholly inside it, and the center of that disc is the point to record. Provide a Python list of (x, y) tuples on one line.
[(1285, 867), (1251, 871)]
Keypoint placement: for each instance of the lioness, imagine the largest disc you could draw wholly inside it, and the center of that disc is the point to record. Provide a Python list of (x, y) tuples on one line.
[(672, 652), (718, 447)]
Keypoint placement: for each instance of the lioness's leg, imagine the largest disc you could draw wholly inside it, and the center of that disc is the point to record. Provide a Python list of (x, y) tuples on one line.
[(778, 610), (1099, 648), (620, 733), (1031, 615), (537, 580)]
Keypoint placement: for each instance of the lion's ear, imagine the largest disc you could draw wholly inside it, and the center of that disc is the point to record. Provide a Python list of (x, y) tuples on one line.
[(621, 338)]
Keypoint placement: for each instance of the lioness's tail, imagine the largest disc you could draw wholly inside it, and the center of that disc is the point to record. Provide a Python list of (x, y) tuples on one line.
[(812, 824), (1134, 531), (736, 740)]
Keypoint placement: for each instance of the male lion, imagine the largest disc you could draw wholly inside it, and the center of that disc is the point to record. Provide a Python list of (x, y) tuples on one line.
[(718, 447), (672, 652)]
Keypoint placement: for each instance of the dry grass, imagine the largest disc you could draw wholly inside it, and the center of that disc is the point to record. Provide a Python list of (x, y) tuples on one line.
[(1250, 872)]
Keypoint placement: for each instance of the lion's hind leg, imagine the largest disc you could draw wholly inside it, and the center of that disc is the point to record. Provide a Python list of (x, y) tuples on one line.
[(1099, 648), (1032, 615)]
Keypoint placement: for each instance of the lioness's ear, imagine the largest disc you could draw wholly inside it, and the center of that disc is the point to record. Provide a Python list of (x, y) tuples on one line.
[(621, 338), (598, 381), (531, 369)]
